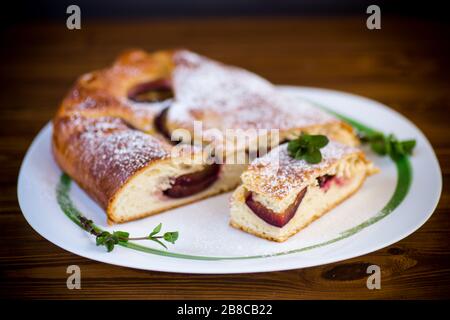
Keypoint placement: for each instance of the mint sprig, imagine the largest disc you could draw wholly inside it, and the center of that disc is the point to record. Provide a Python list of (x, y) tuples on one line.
[(307, 147), (388, 145), (109, 240)]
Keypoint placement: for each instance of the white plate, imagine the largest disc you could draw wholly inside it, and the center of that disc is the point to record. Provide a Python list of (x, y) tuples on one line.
[(207, 244)]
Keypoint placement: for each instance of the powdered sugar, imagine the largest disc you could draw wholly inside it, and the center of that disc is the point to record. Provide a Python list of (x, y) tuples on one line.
[(112, 150), (277, 173), (228, 97)]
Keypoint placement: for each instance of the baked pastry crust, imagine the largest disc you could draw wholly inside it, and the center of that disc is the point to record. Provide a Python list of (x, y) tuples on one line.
[(276, 179), (107, 142), (102, 153)]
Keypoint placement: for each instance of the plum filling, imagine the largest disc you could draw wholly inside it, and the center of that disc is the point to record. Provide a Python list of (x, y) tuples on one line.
[(192, 183), (325, 181), (160, 124), (152, 91), (269, 216)]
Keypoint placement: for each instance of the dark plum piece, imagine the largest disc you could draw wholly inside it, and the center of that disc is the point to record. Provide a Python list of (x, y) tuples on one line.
[(192, 183), (151, 91), (272, 218), (160, 124), (325, 181)]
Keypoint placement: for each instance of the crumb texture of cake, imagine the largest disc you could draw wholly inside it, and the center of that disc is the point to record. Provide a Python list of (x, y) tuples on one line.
[(276, 180)]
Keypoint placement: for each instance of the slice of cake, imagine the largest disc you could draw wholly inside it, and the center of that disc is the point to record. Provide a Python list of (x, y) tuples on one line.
[(281, 195), (132, 174)]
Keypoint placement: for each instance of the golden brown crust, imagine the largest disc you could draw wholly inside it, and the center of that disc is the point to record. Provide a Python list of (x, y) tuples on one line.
[(104, 92), (102, 153)]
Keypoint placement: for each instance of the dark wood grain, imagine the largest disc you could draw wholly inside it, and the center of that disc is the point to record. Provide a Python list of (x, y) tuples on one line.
[(405, 65)]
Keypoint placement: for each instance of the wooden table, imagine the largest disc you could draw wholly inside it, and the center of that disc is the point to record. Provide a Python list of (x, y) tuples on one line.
[(405, 65)]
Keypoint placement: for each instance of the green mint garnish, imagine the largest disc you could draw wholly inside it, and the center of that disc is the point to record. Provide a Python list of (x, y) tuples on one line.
[(156, 230), (307, 147), (171, 236), (109, 240), (389, 145)]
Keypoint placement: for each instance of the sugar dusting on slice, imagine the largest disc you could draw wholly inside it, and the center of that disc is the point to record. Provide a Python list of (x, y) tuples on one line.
[(278, 174), (111, 150)]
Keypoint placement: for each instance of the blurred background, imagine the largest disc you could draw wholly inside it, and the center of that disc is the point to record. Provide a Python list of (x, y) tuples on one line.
[(130, 9), (323, 43)]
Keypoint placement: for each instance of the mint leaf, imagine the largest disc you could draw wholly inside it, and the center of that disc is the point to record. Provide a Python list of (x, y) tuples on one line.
[(99, 240), (299, 154), (109, 240), (397, 147), (379, 147), (171, 236), (292, 147), (389, 145), (319, 141), (307, 147), (121, 235), (408, 146), (156, 230), (110, 245), (313, 156)]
